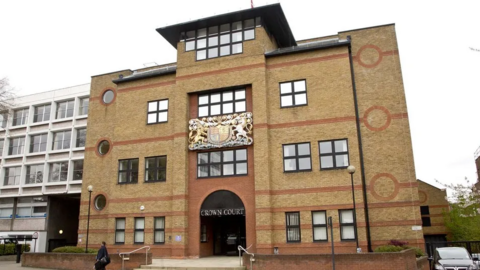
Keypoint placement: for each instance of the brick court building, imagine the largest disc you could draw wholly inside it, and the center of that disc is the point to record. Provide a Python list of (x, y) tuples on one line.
[(246, 140), (433, 203)]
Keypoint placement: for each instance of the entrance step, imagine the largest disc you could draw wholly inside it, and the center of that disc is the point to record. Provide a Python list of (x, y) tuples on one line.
[(153, 267)]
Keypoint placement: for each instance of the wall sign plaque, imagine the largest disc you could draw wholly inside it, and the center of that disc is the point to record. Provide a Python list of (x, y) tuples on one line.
[(222, 212), (221, 131)]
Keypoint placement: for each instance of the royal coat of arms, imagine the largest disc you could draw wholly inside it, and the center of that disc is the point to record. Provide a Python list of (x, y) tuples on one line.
[(221, 131)]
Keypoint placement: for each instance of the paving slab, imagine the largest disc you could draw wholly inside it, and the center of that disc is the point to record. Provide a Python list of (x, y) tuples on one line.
[(12, 265)]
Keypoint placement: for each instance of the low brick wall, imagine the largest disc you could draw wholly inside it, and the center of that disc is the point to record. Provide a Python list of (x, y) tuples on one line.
[(423, 263), (404, 260), (80, 261)]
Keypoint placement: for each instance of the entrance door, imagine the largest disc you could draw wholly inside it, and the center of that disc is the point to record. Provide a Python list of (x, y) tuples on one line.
[(229, 233), (222, 216)]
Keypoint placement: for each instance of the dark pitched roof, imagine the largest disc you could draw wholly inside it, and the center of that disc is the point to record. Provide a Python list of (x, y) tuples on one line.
[(310, 46), (147, 74), (272, 17)]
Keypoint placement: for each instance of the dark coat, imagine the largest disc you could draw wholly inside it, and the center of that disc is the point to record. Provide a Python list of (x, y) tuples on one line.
[(102, 252)]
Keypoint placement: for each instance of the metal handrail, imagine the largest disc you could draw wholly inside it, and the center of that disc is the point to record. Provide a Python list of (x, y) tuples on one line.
[(122, 255), (252, 256)]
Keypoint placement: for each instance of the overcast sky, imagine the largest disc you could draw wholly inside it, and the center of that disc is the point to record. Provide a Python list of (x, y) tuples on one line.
[(46, 45)]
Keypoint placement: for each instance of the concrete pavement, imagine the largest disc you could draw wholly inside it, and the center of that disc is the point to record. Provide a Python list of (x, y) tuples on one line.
[(11, 265)]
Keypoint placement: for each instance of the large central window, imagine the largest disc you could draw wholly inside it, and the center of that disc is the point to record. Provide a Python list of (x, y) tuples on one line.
[(220, 103), (220, 40), (222, 163)]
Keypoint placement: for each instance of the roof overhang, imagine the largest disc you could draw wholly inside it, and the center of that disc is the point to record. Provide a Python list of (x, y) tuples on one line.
[(272, 16)]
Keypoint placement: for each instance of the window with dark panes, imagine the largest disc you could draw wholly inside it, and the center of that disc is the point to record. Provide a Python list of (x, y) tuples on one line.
[(58, 171), (12, 176), (34, 174), (293, 93), (78, 169), (157, 111), (119, 230), (20, 117), (65, 109), (220, 40), (16, 146), (84, 102), (425, 212), (38, 143), (61, 140), (319, 225), (333, 154), (203, 233), (222, 163), (156, 169), (139, 234), (293, 226), (347, 226), (128, 171), (296, 157), (159, 234), (42, 113), (81, 137), (221, 103)]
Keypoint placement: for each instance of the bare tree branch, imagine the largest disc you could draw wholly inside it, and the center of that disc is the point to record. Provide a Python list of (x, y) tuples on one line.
[(7, 95)]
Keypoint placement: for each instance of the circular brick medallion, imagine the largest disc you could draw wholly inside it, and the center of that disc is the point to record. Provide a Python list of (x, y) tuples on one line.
[(422, 196), (377, 118), (384, 187), (369, 56)]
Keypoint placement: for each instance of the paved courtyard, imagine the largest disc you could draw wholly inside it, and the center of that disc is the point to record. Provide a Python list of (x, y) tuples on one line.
[(9, 265), (220, 261)]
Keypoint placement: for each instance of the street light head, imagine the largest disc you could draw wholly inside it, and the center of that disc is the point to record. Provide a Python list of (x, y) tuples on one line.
[(90, 188), (351, 169)]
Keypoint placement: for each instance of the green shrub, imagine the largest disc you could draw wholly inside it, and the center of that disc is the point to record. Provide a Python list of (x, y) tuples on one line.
[(418, 251), (69, 249), (9, 249), (389, 248)]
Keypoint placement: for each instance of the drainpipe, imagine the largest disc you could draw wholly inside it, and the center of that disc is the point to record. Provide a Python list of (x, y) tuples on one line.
[(360, 147)]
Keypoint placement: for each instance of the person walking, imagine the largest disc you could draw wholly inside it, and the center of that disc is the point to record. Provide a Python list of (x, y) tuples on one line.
[(102, 257)]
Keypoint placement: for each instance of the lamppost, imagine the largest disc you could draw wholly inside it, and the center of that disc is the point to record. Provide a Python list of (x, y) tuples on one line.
[(351, 171), (90, 189)]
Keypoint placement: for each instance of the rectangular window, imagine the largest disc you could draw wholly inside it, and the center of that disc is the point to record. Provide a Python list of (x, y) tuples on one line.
[(221, 103), (347, 226), (222, 163), (296, 157), (333, 154), (42, 113), (119, 230), (20, 117), (425, 212), (293, 93), (206, 40), (81, 137), (319, 225), (157, 111), (139, 231), (12, 176), (78, 169), (128, 171), (2, 144), (58, 171), (16, 146), (61, 140), (65, 109), (38, 143), (34, 174), (293, 226), (31, 207), (3, 119), (156, 169), (203, 233), (83, 110), (6, 208), (159, 234)]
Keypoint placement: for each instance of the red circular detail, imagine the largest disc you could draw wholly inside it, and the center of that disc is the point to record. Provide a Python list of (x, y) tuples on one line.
[(425, 196), (369, 46), (98, 144), (114, 96), (381, 108), (95, 196), (378, 196)]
